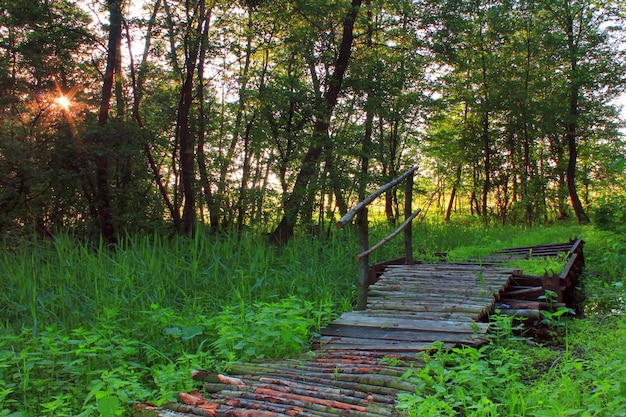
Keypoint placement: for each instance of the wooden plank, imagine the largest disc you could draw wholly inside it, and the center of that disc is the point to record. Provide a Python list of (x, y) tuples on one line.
[(565, 245), (568, 266), (362, 320), (474, 311), (376, 345), (421, 315), (525, 292), (397, 334), (379, 344), (449, 268)]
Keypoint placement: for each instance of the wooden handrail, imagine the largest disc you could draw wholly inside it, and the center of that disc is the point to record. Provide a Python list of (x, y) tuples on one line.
[(347, 218), (361, 210), (391, 236)]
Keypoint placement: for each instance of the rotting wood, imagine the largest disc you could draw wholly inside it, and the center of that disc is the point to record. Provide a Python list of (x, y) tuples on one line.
[(366, 320), (358, 382)]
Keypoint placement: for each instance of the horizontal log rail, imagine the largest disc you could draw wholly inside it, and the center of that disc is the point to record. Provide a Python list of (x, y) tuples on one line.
[(365, 271)]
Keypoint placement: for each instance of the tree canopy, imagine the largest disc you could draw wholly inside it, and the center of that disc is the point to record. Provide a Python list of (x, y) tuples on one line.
[(273, 114)]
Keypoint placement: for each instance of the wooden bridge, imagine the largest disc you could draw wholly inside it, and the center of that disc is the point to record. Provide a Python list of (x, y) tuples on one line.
[(356, 364), (403, 307)]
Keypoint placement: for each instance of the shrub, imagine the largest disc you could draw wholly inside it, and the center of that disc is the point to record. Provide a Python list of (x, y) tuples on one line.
[(610, 213)]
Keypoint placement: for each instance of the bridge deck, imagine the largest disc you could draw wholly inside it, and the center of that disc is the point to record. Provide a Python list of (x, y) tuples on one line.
[(357, 362)]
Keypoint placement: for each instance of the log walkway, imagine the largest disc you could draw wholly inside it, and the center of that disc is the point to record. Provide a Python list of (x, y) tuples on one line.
[(356, 364)]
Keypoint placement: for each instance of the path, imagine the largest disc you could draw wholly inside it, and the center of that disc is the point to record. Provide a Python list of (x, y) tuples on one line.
[(357, 363)]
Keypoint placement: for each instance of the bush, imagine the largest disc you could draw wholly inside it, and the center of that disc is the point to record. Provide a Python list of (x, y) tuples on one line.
[(610, 213)]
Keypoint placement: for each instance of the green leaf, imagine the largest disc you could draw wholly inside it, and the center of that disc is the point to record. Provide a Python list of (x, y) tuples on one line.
[(108, 406), (191, 332), (619, 164)]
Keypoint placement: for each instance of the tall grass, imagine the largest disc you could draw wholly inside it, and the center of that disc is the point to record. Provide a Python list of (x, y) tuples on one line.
[(129, 322), (87, 329), (62, 281)]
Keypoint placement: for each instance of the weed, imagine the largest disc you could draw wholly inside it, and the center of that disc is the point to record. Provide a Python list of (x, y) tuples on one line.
[(86, 330)]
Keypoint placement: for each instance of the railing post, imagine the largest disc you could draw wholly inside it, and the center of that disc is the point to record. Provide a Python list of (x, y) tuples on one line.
[(408, 210), (364, 272)]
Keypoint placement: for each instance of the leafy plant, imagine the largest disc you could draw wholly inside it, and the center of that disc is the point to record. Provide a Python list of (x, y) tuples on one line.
[(267, 330), (466, 381), (609, 213)]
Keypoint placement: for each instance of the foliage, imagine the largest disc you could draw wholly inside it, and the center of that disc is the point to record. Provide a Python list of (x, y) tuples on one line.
[(267, 330), (89, 328), (582, 377), (476, 94), (466, 381), (585, 378), (609, 213)]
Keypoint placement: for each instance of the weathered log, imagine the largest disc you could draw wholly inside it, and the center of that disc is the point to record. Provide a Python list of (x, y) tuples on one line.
[(356, 382), (324, 390), (347, 218), (316, 406), (395, 233)]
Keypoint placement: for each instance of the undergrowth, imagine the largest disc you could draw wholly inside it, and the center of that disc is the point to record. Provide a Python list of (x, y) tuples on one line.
[(87, 330), (584, 378), (583, 375)]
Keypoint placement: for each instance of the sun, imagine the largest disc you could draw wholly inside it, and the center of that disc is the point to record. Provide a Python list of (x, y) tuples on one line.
[(64, 102)]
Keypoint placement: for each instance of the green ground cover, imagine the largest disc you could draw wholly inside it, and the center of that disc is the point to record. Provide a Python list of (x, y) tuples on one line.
[(87, 330)]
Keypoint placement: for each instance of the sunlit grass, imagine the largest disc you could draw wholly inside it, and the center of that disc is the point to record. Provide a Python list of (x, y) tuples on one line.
[(83, 324)]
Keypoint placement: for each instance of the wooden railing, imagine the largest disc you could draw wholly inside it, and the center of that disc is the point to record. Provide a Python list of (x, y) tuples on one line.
[(363, 227)]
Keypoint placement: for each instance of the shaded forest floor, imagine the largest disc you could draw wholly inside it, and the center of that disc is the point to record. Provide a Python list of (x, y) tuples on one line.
[(86, 330)]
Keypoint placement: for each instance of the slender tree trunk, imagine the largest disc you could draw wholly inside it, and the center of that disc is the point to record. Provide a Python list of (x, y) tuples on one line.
[(186, 140), (203, 169), (455, 186), (103, 198), (391, 196), (486, 144), (138, 79), (562, 190), (284, 231), (362, 216), (571, 127), (244, 76), (245, 176)]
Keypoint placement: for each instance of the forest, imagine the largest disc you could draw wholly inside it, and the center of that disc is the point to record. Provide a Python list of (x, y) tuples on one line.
[(123, 117), (172, 171)]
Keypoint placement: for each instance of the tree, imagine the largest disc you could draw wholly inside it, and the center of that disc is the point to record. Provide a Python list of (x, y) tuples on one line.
[(102, 200), (323, 112), (43, 50), (591, 64)]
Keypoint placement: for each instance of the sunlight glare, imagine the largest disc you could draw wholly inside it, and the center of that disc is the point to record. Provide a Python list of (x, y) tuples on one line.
[(64, 102)]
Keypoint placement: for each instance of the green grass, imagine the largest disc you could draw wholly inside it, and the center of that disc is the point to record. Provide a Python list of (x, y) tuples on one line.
[(87, 330), (84, 326)]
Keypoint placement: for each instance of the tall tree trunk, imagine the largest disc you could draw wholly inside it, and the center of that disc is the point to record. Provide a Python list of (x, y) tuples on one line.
[(245, 176), (284, 231), (203, 169), (103, 198), (455, 186), (186, 140), (227, 159), (391, 196), (486, 143), (571, 127)]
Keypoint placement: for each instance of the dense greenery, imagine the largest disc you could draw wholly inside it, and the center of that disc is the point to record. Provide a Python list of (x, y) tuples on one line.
[(268, 113), (147, 149), (86, 329)]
